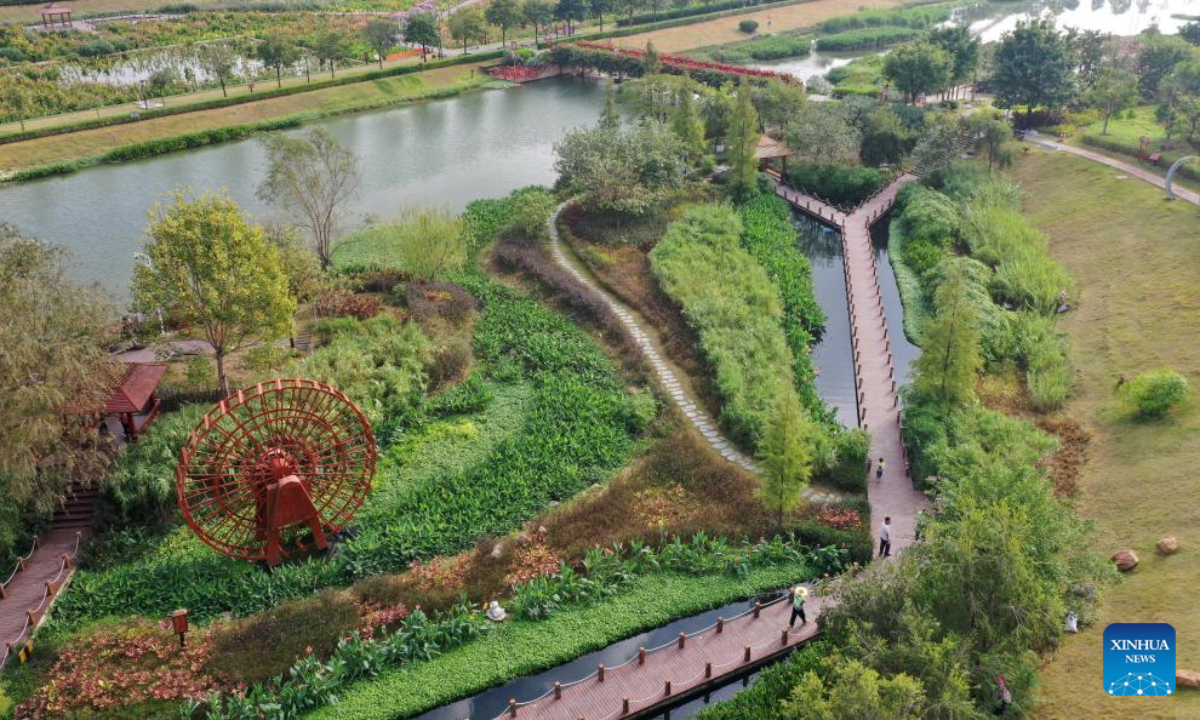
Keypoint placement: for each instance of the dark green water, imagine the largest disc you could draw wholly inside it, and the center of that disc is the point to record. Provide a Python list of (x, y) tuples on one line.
[(447, 152)]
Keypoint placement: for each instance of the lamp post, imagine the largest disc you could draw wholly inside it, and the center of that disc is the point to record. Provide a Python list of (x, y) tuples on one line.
[(179, 623)]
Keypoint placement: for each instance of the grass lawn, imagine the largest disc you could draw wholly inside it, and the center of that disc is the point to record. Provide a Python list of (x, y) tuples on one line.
[(1134, 257), (1124, 137), (725, 30), (343, 98)]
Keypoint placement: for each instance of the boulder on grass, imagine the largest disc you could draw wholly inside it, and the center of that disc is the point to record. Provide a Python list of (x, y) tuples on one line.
[(1126, 560), (1168, 546), (1187, 679)]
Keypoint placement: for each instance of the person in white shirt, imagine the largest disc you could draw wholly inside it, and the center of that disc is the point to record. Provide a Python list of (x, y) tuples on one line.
[(885, 538)]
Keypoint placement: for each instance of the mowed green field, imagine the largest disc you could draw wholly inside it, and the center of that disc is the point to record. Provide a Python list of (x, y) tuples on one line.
[(1136, 259)]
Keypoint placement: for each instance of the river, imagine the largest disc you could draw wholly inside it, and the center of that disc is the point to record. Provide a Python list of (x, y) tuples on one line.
[(445, 152)]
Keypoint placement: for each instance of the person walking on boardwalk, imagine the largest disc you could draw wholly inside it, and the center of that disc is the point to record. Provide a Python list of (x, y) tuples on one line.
[(885, 538), (879, 469), (799, 595)]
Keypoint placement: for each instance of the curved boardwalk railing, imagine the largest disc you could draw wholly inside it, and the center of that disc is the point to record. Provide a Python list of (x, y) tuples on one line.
[(655, 676), (33, 586)]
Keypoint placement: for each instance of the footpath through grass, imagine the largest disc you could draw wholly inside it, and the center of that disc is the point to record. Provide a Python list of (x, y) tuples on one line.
[(1135, 259), (330, 101)]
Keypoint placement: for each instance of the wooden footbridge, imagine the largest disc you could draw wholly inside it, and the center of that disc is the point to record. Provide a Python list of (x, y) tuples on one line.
[(657, 678)]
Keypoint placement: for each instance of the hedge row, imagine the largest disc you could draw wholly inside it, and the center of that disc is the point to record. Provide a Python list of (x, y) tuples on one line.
[(916, 308), (265, 94)]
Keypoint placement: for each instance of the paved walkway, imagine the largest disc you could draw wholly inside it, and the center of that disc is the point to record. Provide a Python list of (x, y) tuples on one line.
[(668, 375), (27, 588), (1132, 170), (875, 378)]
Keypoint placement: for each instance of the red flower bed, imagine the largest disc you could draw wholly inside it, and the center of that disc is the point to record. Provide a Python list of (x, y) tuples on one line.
[(515, 73), (839, 517)]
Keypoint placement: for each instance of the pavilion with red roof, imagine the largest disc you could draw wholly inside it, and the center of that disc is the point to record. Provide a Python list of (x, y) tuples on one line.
[(56, 15), (133, 400)]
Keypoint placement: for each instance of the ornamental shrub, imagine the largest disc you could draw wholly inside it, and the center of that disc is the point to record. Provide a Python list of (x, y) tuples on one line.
[(840, 184), (1154, 393), (748, 26)]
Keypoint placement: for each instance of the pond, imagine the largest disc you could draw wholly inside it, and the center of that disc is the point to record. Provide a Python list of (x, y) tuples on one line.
[(989, 21), (814, 64), (447, 152)]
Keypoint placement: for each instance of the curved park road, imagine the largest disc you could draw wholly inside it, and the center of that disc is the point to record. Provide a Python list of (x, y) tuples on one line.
[(1132, 170)]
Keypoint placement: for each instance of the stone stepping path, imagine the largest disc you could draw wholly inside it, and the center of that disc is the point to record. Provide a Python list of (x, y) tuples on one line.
[(670, 382)]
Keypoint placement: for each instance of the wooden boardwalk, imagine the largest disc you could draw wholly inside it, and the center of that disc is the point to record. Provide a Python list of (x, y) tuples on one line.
[(32, 588), (708, 658), (874, 372)]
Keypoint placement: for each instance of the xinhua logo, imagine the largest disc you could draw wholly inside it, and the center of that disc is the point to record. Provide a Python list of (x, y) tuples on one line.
[(1139, 659)]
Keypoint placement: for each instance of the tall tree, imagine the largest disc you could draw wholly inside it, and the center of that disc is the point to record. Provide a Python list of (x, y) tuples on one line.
[(277, 52), (610, 117), (55, 364), (992, 136), (466, 25), (332, 48), (1157, 58), (743, 140), (504, 14), (599, 7), (217, 271), (918, 68), (312, 177), (571, 11), (423, 29), (785, 455), (1089, 50), (1113, 90), (220, 61), (962, 47), (20, 100), (380, 34), (686, 123), (1033, 67), (823, 133), (950, 357), (651, 65), (779, 101), (539, 13)]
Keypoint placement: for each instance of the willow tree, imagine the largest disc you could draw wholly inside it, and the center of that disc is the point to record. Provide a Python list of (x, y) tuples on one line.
[(311, 177), (55, 364), (950, 357), (215, 270)]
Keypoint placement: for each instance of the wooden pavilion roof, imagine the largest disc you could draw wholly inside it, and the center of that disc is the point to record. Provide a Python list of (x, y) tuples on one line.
[(134, 389), (56, 9), (769, 147)]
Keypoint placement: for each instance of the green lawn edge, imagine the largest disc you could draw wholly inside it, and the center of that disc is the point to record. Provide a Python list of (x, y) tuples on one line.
[(523, 647)]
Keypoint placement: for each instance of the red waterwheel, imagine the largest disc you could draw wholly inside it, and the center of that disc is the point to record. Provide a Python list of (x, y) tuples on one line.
[(274, 468)]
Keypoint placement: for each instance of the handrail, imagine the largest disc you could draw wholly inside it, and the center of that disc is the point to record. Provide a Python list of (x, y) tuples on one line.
[(21, 563), (49, 594), (644, 652)]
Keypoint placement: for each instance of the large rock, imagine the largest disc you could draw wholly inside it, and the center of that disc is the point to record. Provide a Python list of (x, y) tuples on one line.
[(1126, 560), (1168, 546), (1187, 679)]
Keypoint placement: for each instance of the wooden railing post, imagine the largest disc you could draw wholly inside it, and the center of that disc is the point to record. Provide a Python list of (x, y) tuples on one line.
[(512, 707), (557, 690), (682, 639), (720, 625), (746, 656), (641, 656), (707, 670), (783, 638), (757, 609), (624, 706), (600, 673)]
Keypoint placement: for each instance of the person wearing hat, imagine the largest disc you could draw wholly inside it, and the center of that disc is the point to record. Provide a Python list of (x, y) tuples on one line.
[(799, 595)]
